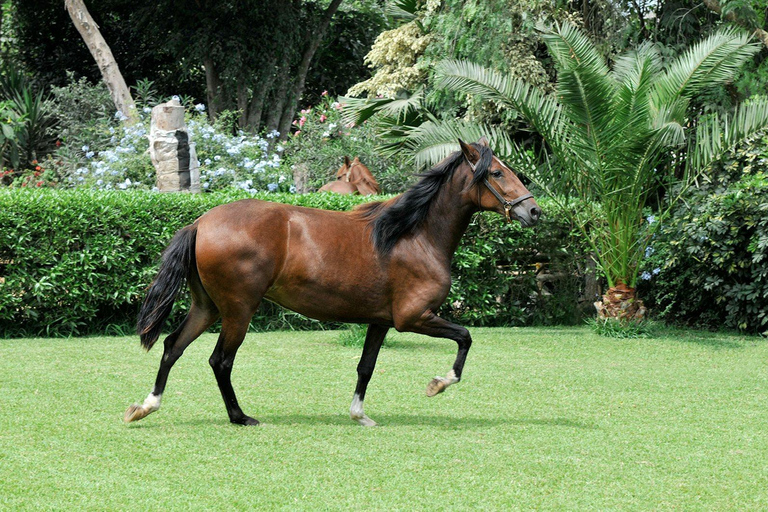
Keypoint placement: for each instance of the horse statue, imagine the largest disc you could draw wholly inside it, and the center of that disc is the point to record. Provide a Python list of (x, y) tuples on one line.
[(353, 178), (385, 264)]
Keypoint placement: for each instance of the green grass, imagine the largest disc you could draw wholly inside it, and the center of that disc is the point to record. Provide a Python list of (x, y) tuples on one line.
[(544, 419)]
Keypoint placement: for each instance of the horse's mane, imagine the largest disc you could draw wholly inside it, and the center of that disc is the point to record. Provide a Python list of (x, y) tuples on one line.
[(393, 219)]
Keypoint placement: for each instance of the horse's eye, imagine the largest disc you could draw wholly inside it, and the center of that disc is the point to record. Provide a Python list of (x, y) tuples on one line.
[(496, 174)]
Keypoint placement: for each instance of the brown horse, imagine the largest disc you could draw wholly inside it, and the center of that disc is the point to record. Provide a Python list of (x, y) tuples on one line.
[(353, 178), (385, 264)]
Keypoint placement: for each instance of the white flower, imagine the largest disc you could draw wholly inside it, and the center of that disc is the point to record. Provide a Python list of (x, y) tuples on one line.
[(200, 107)]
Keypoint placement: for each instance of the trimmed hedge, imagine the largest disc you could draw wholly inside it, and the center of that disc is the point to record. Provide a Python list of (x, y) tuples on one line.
[(78, 261)]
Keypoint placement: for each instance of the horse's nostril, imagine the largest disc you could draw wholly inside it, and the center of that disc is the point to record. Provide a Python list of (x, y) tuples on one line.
[(535, 212)]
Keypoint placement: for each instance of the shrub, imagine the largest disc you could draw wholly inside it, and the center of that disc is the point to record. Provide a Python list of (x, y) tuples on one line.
[(78, 261), (708, 266), (321, 141)]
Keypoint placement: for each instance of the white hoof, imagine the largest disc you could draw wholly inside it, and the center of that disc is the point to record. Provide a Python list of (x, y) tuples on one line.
[(365, 421)]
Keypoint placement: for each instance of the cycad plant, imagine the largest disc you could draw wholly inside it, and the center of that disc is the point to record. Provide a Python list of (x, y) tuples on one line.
[(616, 137)]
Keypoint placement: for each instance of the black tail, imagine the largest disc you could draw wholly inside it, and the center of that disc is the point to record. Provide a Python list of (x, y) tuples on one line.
[(178, 258)]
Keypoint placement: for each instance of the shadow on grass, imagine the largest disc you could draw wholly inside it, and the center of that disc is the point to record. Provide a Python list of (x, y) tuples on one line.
[(401, 420), (384, 420)]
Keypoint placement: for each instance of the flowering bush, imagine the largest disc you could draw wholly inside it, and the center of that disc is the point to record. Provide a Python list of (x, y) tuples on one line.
[(241, 160), (320, 141), (244, 161)]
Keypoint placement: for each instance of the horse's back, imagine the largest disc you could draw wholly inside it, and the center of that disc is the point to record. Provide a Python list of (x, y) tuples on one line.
[(317, 262)]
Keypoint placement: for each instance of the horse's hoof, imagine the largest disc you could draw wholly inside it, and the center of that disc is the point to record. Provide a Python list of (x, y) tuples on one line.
[(365, 421), (436, 386), (134, 413), (246, 420)]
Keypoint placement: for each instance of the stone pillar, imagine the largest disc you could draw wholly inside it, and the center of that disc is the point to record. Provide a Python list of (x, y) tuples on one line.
[(172, 154)]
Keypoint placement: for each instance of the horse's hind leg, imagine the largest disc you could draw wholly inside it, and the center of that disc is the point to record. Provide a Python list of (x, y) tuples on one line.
[(233, 330), (196, 322), (373, 340)]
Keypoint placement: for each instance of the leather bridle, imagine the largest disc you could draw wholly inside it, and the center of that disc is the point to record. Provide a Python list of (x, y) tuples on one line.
[(506, 203)]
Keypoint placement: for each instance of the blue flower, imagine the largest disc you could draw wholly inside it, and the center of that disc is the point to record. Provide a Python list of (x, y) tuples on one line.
[(89, 154), (651, 219), (645, 276), (656, 271), (200, 107), (86, 149), (649, 251), (272, 187)]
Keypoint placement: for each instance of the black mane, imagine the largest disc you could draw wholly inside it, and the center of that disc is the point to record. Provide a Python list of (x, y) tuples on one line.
[(393, 220)]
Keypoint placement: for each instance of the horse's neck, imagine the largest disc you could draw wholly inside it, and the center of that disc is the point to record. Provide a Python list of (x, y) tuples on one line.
[(448, 219)]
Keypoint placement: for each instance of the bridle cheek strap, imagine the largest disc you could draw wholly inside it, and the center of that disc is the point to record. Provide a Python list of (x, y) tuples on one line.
[(508, 205)]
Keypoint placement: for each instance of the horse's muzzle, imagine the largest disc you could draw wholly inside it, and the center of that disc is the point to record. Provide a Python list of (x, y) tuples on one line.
[(527, 212)]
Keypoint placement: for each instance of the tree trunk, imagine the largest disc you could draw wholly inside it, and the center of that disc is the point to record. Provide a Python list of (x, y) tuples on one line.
[(281, 93), (301, 74), (256, 106), (98, 47), (620, 303), (213, 87)]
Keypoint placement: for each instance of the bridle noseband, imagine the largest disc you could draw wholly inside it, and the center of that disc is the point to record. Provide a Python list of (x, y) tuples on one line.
[(507, 204)]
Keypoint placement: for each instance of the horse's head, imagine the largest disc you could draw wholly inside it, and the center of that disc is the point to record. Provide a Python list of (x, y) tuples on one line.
[(362, 177), (359, 175), (495, 187)]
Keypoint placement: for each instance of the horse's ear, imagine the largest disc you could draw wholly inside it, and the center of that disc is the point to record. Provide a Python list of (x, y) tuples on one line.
[(471, 154), (483, 141), (346, 161)]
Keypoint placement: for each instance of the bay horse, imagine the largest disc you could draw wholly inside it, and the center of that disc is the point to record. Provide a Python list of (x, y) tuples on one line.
[(353, 178), (385, 264)]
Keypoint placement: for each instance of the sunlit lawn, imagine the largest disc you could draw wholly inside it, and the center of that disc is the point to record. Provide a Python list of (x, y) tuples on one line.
[(544, 418)]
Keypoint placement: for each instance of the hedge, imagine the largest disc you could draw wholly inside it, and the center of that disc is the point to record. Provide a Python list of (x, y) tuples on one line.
[(78, 261)]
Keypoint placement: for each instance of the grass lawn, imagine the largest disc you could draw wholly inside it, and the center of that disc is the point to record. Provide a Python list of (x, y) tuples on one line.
[(544, 419)]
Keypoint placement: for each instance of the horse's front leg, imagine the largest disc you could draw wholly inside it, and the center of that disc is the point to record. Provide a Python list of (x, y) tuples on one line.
[(373, 340), (432, 325)]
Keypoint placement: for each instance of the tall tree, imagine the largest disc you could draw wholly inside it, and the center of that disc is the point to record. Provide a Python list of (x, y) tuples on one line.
[(102, 54)]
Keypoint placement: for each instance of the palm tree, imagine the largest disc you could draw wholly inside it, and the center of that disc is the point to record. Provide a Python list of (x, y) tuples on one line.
[(613, 137)]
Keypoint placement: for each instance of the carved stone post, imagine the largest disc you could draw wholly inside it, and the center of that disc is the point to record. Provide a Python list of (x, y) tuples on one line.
[(172, 154)]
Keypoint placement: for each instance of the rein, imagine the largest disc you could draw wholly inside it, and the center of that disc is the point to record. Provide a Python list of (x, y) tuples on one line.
[(507, 204)]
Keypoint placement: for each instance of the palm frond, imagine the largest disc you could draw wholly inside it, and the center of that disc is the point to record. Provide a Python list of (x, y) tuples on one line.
[(433, 141), (542, 112), (713, 60), (715, 138), (403, 9)]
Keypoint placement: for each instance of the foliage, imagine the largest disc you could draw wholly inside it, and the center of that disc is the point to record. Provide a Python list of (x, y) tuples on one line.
[(78, 261), (242, 160), (611, 132), (85, 113), (394, 57), (10, 126), (508, 275), (323, 138), (708, 266), (620, 328), (117, 156), (354, 336), (32, 111)]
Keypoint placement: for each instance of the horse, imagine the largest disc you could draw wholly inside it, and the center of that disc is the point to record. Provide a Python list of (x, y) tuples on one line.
[(385, 264), (353, 178)]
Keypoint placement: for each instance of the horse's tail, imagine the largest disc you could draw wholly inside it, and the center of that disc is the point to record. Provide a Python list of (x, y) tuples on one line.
[(175, 268)]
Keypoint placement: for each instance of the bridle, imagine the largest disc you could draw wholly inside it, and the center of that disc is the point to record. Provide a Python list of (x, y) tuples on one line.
[(506, 203)]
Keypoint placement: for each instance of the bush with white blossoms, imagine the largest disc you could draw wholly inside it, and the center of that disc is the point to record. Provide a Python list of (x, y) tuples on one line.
[(242, 160), (239, 160)]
